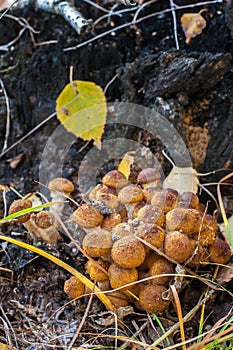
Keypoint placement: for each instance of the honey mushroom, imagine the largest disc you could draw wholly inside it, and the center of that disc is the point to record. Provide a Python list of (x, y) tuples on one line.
[(151, 215), (151, 233), (74, 288), (180, 219), (60, 188), (95, 273), (45, 220), (178, 246), (120, 276), (207, 233), (27, 221), (149, 177), (115, 179), (220, 251), (166, 199), (130, 196), (128, 252), (151, 298), (87, 217), (97, 243), (161, 267), (188, 200)]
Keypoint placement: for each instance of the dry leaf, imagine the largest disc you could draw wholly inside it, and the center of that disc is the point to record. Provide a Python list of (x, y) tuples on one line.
[(125, 164), (192, 24), (225, 233), (225, 274), (14, 162), (4, 4)]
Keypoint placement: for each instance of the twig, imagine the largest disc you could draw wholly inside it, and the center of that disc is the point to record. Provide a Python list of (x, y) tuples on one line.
[(7, 131), (173, 6)]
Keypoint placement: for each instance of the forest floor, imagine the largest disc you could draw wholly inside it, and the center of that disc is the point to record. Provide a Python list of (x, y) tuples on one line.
[(191, 86)]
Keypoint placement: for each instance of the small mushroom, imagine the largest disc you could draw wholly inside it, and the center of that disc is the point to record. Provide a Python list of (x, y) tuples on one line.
[(207, 232), (28, 222), (45, 220), (87, 217), (115, 179), (111, 221), (95, 273), (120, 276), (151, 215), (189, 200), (151, 298), (178, 246), (180, 219), (97, 243), (160, 267), (149, 177), (108, 196), (165, 199), (128, 252), (130, 196), (60, 188), (220, 251), (74, 288), (151, 233)]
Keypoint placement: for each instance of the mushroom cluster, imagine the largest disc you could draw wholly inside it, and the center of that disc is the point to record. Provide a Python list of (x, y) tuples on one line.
[(127, 223)]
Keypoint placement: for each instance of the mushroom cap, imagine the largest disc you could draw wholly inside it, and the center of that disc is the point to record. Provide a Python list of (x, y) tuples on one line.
[(128, 252), (130, 194), (220, 251), (161, 267), (151, 214), (97, 243), (166, 199), (115, 179), (61, 184), (119, 276), (121, 230), (180, 219), (118, 298), (44, 219), (207, 230), (111, 221), (87, 216), (18, 205), (108, 196), (74, 288), (151, 233), (148, 175), (178, 246), (151, 298), (96, 273)]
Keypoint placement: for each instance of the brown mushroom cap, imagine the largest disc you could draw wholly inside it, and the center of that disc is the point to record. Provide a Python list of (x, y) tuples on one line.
[(121, 230), (178, 246), (108, 196), (200, 254), (87, 216), (97, 242), (220, 251), (115, 179), (148, 175), (130, 194), (18, 205), (44, 219), (151, 215), (74, 288), (165, 199), (151, 233), (62, 185), (128, 252), (207, 233), (151, 298), (179, 219), (95, 272), (120, 276), (111, 221), (118, 298), (149, 192), (161, 267)]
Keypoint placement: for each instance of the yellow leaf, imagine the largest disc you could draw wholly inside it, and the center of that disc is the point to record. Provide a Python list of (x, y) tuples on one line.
[(192, 24), (6, 347), (81, 108), (125, 164)]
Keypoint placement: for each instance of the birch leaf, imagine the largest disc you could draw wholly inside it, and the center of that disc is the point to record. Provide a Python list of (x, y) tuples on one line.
[(192, 24), (125, 165), (81, 108)]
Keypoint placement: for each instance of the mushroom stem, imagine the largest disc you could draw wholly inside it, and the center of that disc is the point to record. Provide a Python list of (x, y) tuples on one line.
[(49, 235)]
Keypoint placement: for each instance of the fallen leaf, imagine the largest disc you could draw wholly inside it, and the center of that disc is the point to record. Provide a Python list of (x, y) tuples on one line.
[(225, 274), (81, 108), (14, 162), (224, 232), (125, 164), (192, 24)]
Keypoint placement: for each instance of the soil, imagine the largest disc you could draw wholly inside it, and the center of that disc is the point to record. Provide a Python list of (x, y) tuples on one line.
[(191, 87)]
